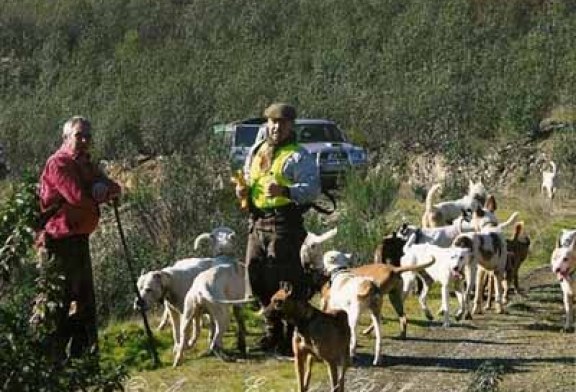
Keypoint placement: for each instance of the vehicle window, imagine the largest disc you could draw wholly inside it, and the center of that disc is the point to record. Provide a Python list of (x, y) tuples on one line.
[(245, 135), (310, 133)]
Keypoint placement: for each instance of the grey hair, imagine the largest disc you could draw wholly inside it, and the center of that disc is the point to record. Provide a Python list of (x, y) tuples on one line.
[(70, 125)]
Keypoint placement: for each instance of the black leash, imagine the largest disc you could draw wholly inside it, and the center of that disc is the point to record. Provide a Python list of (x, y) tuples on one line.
[(151, 346)]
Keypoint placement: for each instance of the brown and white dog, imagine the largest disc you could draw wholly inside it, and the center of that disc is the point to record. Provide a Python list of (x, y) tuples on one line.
[(444, 213), (489, 254), (354, 294), (387, 277), (318, 334), (518, 247), (563, 264)]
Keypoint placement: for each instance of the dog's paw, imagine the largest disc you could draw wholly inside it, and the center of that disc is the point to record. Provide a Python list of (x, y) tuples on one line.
[(428, 315)]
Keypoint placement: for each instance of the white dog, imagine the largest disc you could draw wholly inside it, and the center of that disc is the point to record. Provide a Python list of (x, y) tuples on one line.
[(448, 267), (444, 213), (170, 285), (550, 181), (221, 241), (441, 236), (563, 263), (353, 294), (211, 292)]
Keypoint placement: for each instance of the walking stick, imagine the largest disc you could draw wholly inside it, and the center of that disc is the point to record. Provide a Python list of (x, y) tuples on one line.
[(151, 346)]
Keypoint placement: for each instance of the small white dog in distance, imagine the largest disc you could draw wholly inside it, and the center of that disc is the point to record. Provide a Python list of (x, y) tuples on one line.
[(550, 181), (448, 268), (353, 294), (563, 264)]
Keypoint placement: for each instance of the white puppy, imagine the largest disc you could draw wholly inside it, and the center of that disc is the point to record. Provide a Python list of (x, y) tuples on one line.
[(550, 181), (354, 294), (563, 263), (448, 267)]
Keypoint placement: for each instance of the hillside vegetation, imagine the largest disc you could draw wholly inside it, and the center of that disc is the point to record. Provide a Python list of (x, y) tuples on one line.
[(450, 78), (153, 75)]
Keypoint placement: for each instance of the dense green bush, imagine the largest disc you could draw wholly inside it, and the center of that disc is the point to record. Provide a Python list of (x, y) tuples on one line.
[(24, 364), (153, 75)]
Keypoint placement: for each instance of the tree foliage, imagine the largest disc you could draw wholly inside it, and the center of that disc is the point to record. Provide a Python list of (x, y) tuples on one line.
[(153, 75)]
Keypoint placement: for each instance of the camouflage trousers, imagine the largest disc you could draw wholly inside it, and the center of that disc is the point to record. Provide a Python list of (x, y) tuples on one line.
[(273, 256)]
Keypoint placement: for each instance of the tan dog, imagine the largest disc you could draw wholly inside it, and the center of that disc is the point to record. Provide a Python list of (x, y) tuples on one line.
[(321, 335), (388, 278), (355, 294)]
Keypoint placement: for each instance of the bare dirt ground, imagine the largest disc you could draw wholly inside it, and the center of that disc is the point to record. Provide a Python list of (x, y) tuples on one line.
[(526, 344)]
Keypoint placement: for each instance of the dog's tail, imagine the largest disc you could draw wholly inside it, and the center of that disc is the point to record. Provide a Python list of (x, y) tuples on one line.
[(553, 167), (367, 288), (510, 220), (518, 227), (429, 197), (413, 268)]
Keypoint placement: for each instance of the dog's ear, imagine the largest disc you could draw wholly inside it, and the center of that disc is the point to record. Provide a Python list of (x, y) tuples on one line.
[(490, 204), (165, 278), (286, 286)]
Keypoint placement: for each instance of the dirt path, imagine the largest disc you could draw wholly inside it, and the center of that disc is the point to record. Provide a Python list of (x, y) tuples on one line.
[(526, 344)]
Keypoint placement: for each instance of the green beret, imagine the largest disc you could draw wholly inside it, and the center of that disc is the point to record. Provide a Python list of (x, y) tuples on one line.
[(280, 110)]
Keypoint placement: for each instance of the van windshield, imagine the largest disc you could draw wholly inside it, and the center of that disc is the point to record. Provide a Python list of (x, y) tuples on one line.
[(245, 135), (310, 133)]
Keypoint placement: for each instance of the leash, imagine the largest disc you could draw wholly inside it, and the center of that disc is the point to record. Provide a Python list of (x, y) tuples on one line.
[(151, 346)]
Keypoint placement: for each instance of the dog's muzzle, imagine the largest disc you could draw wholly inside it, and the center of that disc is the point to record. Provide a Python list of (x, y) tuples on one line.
[(456, 274), (139, 303)]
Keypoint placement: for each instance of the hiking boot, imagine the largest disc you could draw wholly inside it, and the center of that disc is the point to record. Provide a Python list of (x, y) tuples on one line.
[(284, 348), (267, 343)]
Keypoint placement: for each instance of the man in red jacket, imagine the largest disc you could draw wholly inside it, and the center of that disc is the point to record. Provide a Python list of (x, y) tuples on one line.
[(71, 188)]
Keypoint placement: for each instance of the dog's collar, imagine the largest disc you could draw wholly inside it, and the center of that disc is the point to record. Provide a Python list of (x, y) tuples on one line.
[(335, 272)]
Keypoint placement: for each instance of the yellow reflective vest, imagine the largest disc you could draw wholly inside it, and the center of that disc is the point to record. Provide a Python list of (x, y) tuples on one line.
[(259, 178)]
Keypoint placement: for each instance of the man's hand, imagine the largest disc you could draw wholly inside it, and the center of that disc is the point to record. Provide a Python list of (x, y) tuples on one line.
[(272, 190), (100, 192), (241, 188)]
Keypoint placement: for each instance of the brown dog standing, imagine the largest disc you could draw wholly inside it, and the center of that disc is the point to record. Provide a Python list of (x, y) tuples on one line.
[(324, 335)]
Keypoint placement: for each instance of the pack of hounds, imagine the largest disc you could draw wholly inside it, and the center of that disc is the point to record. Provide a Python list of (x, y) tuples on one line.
[(460, 244)]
